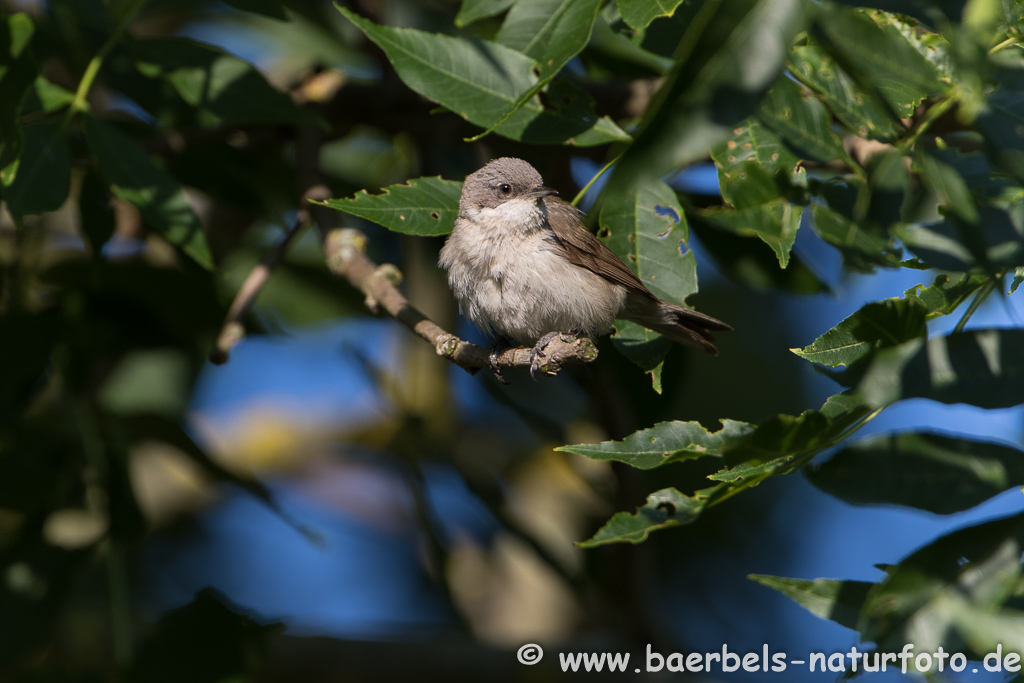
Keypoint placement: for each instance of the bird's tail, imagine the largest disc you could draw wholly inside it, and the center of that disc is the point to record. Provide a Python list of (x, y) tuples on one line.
[(683, 325)]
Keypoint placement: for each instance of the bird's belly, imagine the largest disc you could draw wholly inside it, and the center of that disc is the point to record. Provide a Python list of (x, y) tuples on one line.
[(526, 295)]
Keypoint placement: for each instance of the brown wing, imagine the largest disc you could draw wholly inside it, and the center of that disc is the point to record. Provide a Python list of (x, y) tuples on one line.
[(584, 249)]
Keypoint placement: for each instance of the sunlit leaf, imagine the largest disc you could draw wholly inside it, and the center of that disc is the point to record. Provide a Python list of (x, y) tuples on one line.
[(877, 325), (639, 13), (422, 206), (931, 472), (550, 32), (802, 121), (664, 509), (775, 223)]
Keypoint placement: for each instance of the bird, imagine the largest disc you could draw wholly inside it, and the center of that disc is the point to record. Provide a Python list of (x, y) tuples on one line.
[(522, 265)]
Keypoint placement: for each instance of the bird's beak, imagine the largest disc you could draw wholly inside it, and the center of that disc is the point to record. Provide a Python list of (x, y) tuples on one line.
[(541, 191)]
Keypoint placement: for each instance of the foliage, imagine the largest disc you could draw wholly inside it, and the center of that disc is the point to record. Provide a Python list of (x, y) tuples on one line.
[(897, 138)]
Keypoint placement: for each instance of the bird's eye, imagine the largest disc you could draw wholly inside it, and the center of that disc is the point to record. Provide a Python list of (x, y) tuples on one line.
[(505, 188)]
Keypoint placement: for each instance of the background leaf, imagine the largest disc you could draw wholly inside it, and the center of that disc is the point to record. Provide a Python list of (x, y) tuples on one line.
[(44, 173)]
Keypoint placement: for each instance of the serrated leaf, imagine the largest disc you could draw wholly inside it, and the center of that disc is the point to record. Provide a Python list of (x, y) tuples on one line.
[(664, 443), (550, 32), (877, 325), (775, 223), (639, 13), (801, 121), (221, 88), (922, 470), (422, 206), (838, 601), (481, 81), (475, 10), (879, 58), (664, 509), (752, 143), (979, 367), (44, 172), (136, 179), (854, 106), (945, 294)]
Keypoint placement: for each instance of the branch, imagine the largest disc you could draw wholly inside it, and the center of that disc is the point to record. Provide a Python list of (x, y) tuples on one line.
[(345, 250)]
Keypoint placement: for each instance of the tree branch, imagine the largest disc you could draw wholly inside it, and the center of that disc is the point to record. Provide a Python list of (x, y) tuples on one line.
[(345, 250)]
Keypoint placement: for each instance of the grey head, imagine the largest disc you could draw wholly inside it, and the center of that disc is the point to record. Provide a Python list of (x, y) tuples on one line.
[(498, 182)]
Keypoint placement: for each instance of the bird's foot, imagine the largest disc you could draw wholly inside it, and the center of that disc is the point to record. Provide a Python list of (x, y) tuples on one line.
[(497, 348), (537, 353)]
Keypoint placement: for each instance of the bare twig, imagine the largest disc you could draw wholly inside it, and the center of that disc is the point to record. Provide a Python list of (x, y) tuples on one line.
[(345, 250), (233, 331)]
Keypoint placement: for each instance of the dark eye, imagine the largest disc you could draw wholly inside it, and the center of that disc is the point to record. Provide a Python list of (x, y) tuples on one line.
[(505, 188)]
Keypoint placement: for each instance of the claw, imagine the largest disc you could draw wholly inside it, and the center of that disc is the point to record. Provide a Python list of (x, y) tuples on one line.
[(538, 352), (497, 348)]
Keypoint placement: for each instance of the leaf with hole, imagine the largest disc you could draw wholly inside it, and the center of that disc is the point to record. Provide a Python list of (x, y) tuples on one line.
[(422, 206)]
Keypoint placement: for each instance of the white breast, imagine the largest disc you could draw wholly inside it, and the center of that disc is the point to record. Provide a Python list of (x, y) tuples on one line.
[(509, 275)]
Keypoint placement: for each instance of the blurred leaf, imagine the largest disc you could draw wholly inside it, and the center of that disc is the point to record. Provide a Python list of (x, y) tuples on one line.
[(919, 602), (44, 172), (880, 58), (1018, 277), (422, 206), (862, 249), (664, 443), (1002, 124), (137, 180), (731, 53), (27, 342), (948, 184), (639, 13), (98, 219), (267, 8), (926, 471), (855, 107), (475, 10), (839, 601), (224, 645), (979, 367), (802, 121), (995, 243), (877, 325), (550, 32), (222, 88), (775, 223), (157, 381), (481, 81), (665, 508), (46, 97), (18, 69)]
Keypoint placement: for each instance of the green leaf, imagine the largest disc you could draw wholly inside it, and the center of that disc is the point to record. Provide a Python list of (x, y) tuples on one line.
[(839, 601), (925, 596), (664, 443), (475, 10), (1018, 277), (665, 508), (775, 223), (862, 249), (47, 97), (858, 109), (44, 172), (423, 206), (995, 243), (18, 69), (639, 13), (551, 32), (979, 367), (877, 325), (879, 58), (802, 121), (731, 53), (930, 472), (752, 143), (950, 187), (1001, 124), (149, 382), (137, 180), (267, 8), (645, 348), (481, 81), (945, 295), (222, 88)]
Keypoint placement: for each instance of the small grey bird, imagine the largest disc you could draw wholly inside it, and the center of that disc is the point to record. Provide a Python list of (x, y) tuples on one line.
[(522, 264)]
